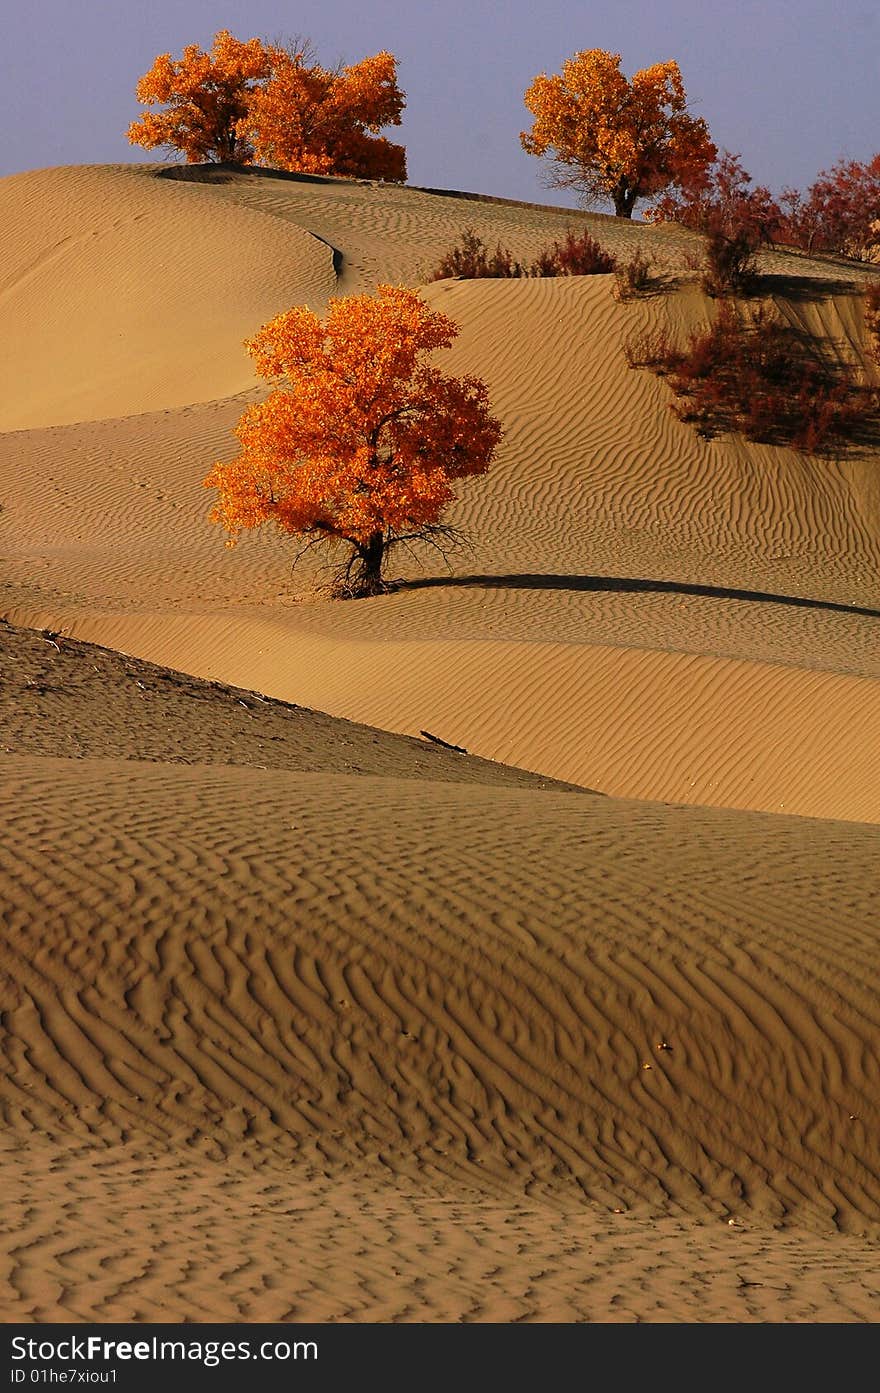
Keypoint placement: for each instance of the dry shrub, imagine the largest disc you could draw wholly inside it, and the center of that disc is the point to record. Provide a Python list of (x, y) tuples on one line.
[(634, 277), (576, 256), (472, 260), (730, 264), (872, 318), (764, 379), (651, 348)]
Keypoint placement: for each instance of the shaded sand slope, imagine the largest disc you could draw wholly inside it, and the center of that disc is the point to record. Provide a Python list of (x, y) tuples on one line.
[(635, 721), (189, 1004), (62, 698), (320, 1044), (449, 981)]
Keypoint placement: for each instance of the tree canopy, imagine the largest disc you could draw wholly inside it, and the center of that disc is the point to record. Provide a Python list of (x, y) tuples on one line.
[(313, 120), (256, 102), (610, 137), (361, 439), (838, 213), (207, 98), (720, 197)]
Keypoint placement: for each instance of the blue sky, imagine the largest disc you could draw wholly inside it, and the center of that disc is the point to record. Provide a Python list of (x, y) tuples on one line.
[(789, 84)]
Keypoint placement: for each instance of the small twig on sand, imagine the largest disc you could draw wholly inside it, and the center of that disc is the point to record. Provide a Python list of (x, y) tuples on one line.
[(459, 749)]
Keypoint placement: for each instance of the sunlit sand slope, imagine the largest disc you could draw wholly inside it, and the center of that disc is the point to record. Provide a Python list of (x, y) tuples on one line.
[(121, 294), (306, 1019), (738, 668), (394, 232)]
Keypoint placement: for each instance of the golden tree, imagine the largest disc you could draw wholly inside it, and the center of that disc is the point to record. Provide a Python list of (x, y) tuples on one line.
[(614, 138), (254, 102), (361, 439), (207, 99), (313, 120)]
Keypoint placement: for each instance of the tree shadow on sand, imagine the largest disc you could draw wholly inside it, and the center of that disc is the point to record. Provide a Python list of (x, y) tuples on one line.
[(631, 586), (805, 289)]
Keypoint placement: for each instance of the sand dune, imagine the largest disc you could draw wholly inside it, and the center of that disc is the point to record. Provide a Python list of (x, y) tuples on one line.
[(439, 978), (596, 479), (334, 1022), (611, 486), (121, 295), (510, 995)]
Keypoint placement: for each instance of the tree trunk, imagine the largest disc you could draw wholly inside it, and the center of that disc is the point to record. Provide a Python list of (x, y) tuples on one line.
[(362, 575), (624, 196), (372, 556)]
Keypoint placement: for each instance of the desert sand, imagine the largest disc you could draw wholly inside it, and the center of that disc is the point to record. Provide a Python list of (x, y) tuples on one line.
[(307, 1017)]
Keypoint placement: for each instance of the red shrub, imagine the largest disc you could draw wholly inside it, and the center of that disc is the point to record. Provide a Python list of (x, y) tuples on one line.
[(872, 318), (472, 260), (721, 198), (735, 217), (837, 211), (764, 379), (634, 277), (730, 261), (576, 256)]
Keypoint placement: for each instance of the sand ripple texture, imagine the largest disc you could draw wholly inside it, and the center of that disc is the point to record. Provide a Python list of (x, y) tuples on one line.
[(306, 1016), (129, 1234), (589, 1004), (630, 721), (739, 670)]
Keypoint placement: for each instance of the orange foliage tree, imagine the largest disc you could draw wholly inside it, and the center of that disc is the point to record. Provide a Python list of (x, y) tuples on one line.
[(207, 98), (254, 102), (360, 441), (614, 138), (313, 120)]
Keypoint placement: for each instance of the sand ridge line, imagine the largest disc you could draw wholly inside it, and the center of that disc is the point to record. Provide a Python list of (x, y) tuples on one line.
[(62, 697), (151, 330)]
